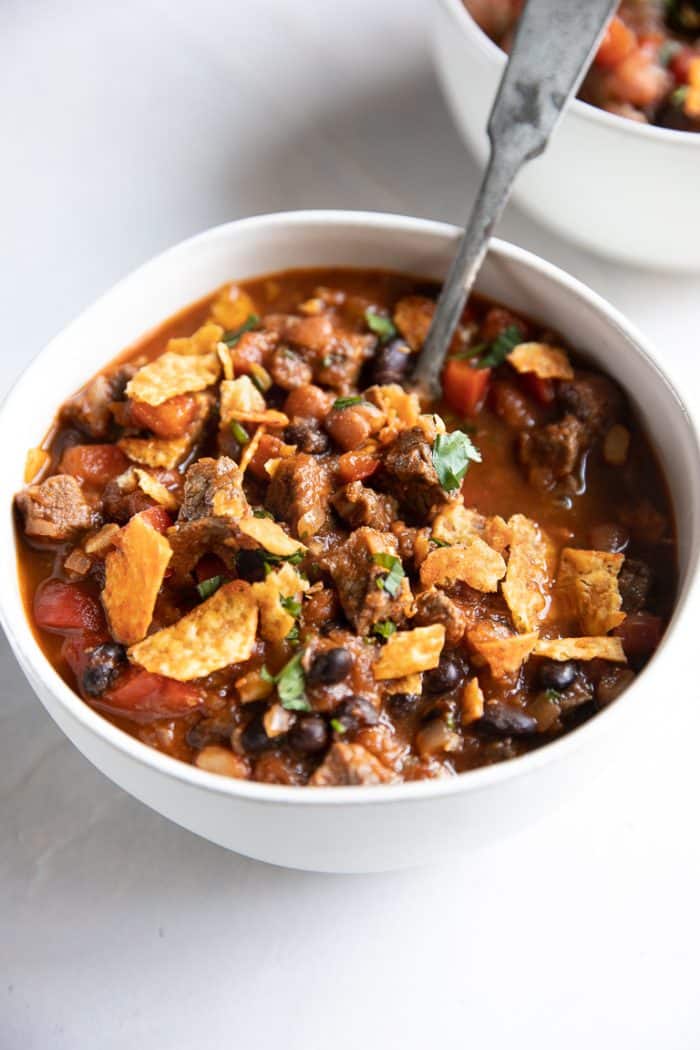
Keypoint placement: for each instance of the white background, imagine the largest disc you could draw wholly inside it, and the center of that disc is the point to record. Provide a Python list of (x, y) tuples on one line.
[(125, 127)]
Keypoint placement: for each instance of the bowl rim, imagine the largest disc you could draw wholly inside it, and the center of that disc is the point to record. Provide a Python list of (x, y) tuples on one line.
[(613, 121), (37, 667)]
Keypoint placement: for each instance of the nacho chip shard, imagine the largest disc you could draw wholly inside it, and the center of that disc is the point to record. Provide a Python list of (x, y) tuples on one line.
[(587, 585), (542, 360), (242, 402), (581, 649), (167, 453), (408, 652), (217, 633), (475, 564), (232, 306), (503, 653), (526, 585), (204, 341), (155, 489), (37, 459), (275, 621), (472, 702), (460, 524), (134, 571), (173, 374), (270, 536)]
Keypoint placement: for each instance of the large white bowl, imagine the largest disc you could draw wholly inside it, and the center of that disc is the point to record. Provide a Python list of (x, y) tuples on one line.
[(620, 188), (355, 829)]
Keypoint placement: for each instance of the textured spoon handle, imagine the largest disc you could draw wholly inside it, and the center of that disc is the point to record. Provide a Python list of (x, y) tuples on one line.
[(551, 52)]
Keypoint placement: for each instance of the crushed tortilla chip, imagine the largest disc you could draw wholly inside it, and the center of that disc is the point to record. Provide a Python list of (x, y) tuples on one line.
[(155, 489), (134, 572), (275, 621), (472, 705), (250, 449), (525, 587), (252, 686), (408, 652), (37, 459), (167, 453), (474, 563), (271, 536), (224, 354), (605, 648), (204, 341), (401, 409), (242, 402), (460, 524), (171, 375), (504, 653), (588, 586), (232, 306), (217, 633), (102, 540), (546, 362), (410, 683)]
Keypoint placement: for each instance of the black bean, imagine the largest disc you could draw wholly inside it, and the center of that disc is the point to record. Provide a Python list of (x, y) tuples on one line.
[(391, 362), (403, 703), (446, 676), (254, 738), (511, 721), (307, 437), (103, 666), (330, 667), (250, 566), (557, 674), (354, 713), (309, 734)]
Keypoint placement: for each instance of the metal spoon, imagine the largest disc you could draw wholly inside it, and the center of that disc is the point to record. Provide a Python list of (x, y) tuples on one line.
[(554, 44)]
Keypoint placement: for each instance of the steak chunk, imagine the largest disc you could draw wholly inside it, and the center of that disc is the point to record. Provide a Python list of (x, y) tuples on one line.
[(299, 494), (90, 409), (434, 606), (358, 505), (358, 579), (411, 476), (592, 399), (347, 764), (634, 583), (56, 509), (551, 453), (213, 489)]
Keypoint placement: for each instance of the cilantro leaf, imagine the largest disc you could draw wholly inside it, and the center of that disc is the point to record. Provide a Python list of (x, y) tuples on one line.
[(346, 402), (208, 587), (290, 684), (384, 628), (338, 726), (553, 694), (391, 583), (439, 543), (380, 325), (260, 512), (291, 605), (234, 334), (501, 346), (452, 454)]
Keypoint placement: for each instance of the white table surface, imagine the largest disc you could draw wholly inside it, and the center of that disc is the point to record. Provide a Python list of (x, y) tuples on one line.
[(126, 127)]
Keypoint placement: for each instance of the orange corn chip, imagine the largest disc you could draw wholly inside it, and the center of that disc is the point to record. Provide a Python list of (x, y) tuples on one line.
[(134, 572), (408, 652), (271, 536), (581, 649), (275, 621), (460, 524), (155, 489), (242, 402), (587, 584), (252, 686), (101, 540), (37, 460), (232, 306), (172, 374), (475, 564), (546, 362), (472, 702), (224, 355), (204, 341), (525, 588), (504, 654), (250, 449), (167, 452), (219, 632)]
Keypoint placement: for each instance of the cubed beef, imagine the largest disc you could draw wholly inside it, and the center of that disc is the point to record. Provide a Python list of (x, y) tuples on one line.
[(90, 409), (634, 583), (592, 399), (410, 475), (551, 453), (359, 505), (358, 578), (56, 509), (122, 503), (299, 494), (191, 540), (288, 369), (434, 606), (347, 764), (205, 480)]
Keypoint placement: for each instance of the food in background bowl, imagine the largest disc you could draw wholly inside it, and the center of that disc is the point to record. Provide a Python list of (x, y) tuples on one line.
[(647, 67), (247, 544)]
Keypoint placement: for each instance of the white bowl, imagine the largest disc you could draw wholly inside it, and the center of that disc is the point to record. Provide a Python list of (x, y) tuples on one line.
[(620, 188), (354, 829)]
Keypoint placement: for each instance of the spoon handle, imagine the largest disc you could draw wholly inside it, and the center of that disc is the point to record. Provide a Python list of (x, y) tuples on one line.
[(553, 46)]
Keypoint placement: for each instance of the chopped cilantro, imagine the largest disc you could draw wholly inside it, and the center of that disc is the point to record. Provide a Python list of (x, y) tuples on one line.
[(293, 635), (380, 325), (290, 605), (385, 628), (231, 337), (240, 433), (553, 694), (679, 96), (391, 583), (290, 684), (346, 402), (473, 351), (452, 454), (439, 543), (338, 726), (260, 512), (500, 347), (208, 587)]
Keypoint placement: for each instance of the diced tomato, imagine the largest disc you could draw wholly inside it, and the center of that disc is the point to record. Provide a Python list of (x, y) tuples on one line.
[(145, 697), (640, 633), (93, 464), (465, 387), (543, 390), (208, 566), (356, 465), (169, 420), (680, 64), (158, 517), (618, 42), (61, 606), (270, 447)]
